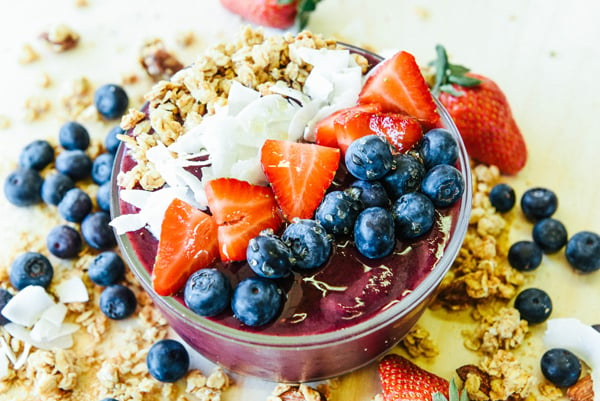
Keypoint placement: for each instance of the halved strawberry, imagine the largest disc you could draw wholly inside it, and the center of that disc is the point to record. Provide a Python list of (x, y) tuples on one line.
[(188, 242), (402, 380), (398, 85), (299, 174), (400, 130), (325, 130), (241, 211)]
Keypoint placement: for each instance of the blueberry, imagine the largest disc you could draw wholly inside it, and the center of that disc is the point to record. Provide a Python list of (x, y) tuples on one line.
[(111, 142), (338, 211), (36, 155), (502, 197), (74, 163), (374, 232), (107, 268), (369, 157), (72, 135), (309, 243), (371, 193), (268, 256), (525, 255), (75, 205), (22, 187), (54, 188), (64, 242), (438, 146), (405, 176), (207, 292), (117, 302), (414, 215), (583, 251), (256, 301), (5, 296), (538, 203), (103, 196), (111, 101), (167, 360), (97, 232), (102, 168), (534, 305), (561, 367), (443, 184), (550, 234), (31, 268)]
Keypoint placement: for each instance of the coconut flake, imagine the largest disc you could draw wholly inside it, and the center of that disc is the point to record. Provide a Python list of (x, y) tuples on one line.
[(55, 314), (72, 290), (3, 366), (27, 305), (239, 97), (579, 338), (23, 334)]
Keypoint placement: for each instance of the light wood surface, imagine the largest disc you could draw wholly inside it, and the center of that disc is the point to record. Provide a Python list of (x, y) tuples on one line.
[(543, 53)]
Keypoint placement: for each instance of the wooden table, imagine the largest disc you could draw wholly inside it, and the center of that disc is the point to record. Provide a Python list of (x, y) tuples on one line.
[(543, 53)]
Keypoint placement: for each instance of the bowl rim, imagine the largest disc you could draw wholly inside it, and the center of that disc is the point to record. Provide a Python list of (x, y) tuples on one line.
[(388, 315)]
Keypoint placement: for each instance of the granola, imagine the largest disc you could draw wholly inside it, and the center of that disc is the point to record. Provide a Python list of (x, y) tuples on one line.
[(60, 38)]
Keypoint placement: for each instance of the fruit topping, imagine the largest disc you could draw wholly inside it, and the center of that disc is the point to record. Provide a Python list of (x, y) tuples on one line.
[(561, 367), (538, 203), (482, 115), (405, 177), (369, 157), (268, 256), (188, 242), (241, 211), (167, 360), (399, 87), (72, 135), (338, 211), (107, 268), (256, 301), (30, 268), (371, 193), (550, 234), (525, 255), (111, 101), (340, 128), (438, 146), (117, 302), (374, 232), (414, 215), (402, 380), (443, 184), (583, 251), (207, 292), (534, 305), (502, 197), (309, 243), (299, 174)]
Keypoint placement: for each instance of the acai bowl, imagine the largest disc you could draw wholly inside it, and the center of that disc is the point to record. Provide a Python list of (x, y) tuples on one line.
[(359, 300)]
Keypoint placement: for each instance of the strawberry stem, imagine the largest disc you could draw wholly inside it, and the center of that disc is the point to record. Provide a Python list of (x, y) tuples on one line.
[(304, 8), (447, 74)]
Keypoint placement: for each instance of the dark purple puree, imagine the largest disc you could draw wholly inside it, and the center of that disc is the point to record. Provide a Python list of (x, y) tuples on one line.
[(347, 290)]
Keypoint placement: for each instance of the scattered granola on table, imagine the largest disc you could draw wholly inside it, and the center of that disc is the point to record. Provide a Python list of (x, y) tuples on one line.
[(60, 38)]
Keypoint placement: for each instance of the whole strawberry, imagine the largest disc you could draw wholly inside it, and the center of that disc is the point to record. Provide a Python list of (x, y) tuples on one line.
[(482, 115), (281, 14), (402, 380)]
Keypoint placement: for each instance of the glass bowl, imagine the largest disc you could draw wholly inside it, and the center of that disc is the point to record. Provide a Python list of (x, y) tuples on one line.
[(313, 357)]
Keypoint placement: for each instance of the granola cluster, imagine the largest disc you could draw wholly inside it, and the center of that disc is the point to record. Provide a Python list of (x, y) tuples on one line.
[(176, 105)]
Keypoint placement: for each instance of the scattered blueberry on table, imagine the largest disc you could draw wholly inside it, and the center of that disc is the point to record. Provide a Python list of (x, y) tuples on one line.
[(111, 101), (30, 268), (36, 155), (538, 203), (502, 197), (550, 234), (107, 268), (117, 302), (72, 135), (534, 305), (64, 241), (55, 186), (167, 360), (22, 187), (75, 205), (561, 367), (74, 163), (525, 255)]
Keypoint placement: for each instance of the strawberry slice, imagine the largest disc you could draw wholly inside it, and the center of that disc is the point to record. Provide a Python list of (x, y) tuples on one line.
[(241, 211), (400, 130), (402, 380), (398, 85), (299, 174), (188, 242), (325, 130)]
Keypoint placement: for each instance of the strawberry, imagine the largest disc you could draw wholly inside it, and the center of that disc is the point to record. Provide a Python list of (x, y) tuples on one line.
[(482, 115), (402, 380), (325, 130), (280, 14), (400, 130), (299, 174), (241, 211), (398, 86), (188, 242)]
